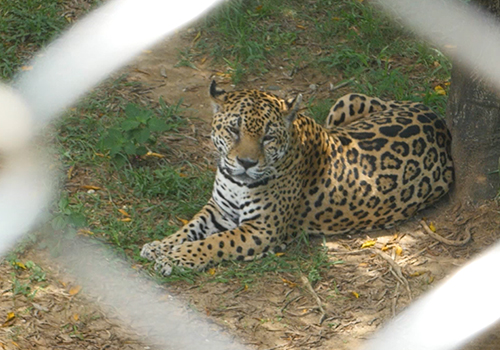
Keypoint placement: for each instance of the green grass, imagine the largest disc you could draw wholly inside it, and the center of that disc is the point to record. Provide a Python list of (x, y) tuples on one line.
[(340, 39), (139, 199)]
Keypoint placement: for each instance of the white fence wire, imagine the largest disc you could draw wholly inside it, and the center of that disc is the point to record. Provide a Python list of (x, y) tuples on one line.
[(110, 37)]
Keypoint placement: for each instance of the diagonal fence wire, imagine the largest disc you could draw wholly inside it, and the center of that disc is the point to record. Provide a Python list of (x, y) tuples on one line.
[(113, 35)]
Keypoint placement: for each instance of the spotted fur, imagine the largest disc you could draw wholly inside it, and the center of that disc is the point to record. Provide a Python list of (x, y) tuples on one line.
[(373, 164)]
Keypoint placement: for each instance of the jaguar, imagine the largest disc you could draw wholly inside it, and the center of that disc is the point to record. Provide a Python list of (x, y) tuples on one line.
[(373, 164)]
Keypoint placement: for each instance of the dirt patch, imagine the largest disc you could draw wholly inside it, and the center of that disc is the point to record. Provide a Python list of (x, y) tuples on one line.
[(280, 310)]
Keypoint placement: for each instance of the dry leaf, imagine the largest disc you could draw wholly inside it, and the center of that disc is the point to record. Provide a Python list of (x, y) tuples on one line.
[(439, 90), (431, 279), (123, 212), (336, 19), (184, 221), (363, 265), (153, 154), (290, 283), (76, 317), (90, 187), (448, 46), (368, 244), (9, 320), (197, 37), (102, 155), (416, 274), (70, 172), (26, 68), (355, 294), (211, 271), (84, 232), (258, 8), (75, 290), (301, 27), (432, 227), (125, 220), (182, 175), (399, 250), (20, 264), (146, 51), (279, 254)]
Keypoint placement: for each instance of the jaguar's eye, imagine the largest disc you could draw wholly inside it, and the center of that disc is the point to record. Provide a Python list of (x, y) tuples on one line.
[(267, 138), (234, 130)]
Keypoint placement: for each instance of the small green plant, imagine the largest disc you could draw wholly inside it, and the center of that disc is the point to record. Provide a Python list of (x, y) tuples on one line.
[(67, 217), (132, 136)]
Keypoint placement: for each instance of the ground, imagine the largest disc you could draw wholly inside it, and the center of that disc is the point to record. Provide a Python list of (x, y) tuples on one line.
[(359, 292)]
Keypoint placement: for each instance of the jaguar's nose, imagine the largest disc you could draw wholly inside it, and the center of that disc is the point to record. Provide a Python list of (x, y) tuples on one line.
[(246, 162)]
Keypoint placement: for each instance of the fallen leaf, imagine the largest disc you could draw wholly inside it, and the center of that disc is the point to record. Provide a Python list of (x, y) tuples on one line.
[(211, 271), (301, 27), (279, 254), (368, 244), (182, 175), (197, 37), (15, 344), (70, 172), (336, 19), (203, 60), (153, 154), (399, 250), (439, 90), (76, 317), (75, 290), (184, 221), (416, 274), (290, 283), (102, 155), (9, 320), (146, 51), (123, 212), (26, 68), (431, 279), (125, 220), (90, 187), (20, 264), (448, 46), (363, 265), (84, 232), (258, 8), (356, 295), (432, 227)]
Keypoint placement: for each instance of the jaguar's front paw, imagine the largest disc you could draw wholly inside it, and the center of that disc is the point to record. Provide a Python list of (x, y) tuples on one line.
[(163, 265), (149, 250)]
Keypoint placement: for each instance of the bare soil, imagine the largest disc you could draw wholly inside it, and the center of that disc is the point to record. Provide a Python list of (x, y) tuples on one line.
[(280, 311)]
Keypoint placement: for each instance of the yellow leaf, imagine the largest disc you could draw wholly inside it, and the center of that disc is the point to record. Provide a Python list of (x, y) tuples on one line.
[(386, 247), (15, 344), (125, 220), (20, 264), (246, 286), (76, 317), (301, 27), (84, 232), (449, 46), (211, 271), (279, 254), (26, 68), (90, 187), (70, 172), (290, 283), (123, 212), (184, 221), (258, 8), (75, 290), (101, 155), (336, 18), (197, 37), (147, 51), (368, 244), (399, 250), (182, 175), (203, 60), (153, 154), (356, 295), (416, 274), (431, 279), (432, 227), (439, 90), (9, 320)]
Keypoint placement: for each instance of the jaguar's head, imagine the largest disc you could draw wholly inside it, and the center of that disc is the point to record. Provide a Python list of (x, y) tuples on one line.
[(251, 130)]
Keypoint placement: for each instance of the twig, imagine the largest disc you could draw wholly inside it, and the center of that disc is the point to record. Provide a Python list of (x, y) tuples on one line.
[(447, 241), (341, 85), (306, 282), (291, 301), (395, 300), (396, 269)]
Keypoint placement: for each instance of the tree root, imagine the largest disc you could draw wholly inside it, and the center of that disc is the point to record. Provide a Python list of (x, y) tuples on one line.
[(447, 241)]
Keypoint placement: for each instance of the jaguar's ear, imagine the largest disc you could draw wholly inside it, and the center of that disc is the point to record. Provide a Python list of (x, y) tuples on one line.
[(292, 107), (215, 94)]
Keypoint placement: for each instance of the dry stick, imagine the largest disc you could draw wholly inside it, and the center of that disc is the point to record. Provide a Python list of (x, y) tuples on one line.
[(447, 241), (306, 282), (397, 270)]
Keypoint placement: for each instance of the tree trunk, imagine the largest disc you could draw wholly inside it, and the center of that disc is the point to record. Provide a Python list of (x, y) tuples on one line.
[(473, 116)]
